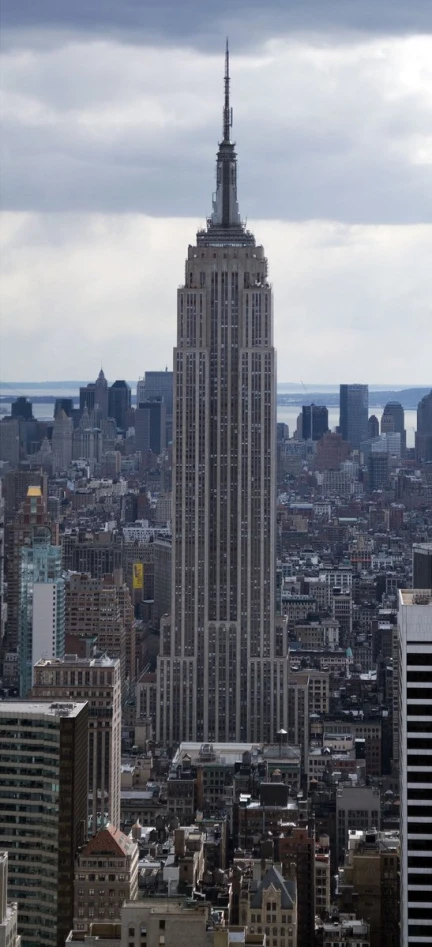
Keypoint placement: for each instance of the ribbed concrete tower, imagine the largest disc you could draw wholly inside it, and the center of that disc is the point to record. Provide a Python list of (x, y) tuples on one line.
[(222, 667)]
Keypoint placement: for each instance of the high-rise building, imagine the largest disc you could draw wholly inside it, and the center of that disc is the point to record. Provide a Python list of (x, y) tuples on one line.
[(42, 605), (20, 530), (331, 452), (353, 421), (3, 605), (22, 408), (140, 390), (298, 713), (119, 402), (424, 414), (10, 441), (43, 812), (87, 442), (98, 608), (314, 421), (342, 611), (297, 846), (393, 421), (64, 404), (150, 425), (423, 440), (162, 551), (101, 395), (87, 397), (61, 441), (373, 427), (282, 432), (378, 470), (422, 566), (8, 910), (97, 681), (16, 484), (415, 763), (97, 553), (222, 670), (127, 613), (159, 385)]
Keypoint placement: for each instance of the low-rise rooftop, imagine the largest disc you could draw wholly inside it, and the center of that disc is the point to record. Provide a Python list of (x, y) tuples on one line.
[(416, 596), (99, 660), (36, 708)]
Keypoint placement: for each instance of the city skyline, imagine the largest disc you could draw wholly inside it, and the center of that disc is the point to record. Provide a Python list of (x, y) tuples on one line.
[(92, 201), (216, 591)]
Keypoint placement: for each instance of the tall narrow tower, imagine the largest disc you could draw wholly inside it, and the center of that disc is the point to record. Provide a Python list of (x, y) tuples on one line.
[(222, 670)]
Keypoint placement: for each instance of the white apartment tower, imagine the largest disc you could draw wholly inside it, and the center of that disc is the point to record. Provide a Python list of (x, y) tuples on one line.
[(222, 670), (415, 764)]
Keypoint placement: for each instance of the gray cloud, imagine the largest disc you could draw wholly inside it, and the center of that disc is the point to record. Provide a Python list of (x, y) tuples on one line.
[(97, 286), (111, 114), (190, 21), (333, 132)]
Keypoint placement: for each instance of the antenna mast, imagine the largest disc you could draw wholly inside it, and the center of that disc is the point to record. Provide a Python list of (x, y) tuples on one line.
[(227, 112)]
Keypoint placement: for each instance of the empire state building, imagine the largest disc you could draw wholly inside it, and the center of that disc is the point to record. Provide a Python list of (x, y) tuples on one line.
[(222, 669)]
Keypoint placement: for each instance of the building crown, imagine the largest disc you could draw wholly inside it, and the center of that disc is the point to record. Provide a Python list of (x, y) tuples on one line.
[(224, 226)]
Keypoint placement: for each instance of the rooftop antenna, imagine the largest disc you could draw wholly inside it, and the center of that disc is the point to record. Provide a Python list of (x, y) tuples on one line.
[(227, 112)]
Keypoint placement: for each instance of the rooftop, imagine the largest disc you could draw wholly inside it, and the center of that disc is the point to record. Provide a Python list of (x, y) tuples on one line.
[(167, 907), (415, 596), (223, 753), (273, 879), (109, 841), (34, 492), (357, 926), (100, 660), (36, 708)]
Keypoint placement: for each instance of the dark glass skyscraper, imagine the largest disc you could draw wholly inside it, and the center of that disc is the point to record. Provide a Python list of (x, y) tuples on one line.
[(314, 421), (119, 402), (22, 408), (43, 811), (353, 420), (378, 471), (160, 385), (64, 404), (150, 425), (424, 429), (373, 426)]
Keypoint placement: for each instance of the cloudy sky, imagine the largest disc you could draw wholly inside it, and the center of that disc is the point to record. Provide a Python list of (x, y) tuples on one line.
[(111, 113)]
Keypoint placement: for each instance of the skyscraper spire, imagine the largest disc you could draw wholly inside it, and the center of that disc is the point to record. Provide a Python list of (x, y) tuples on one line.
[(227, 112), (225, 224)]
